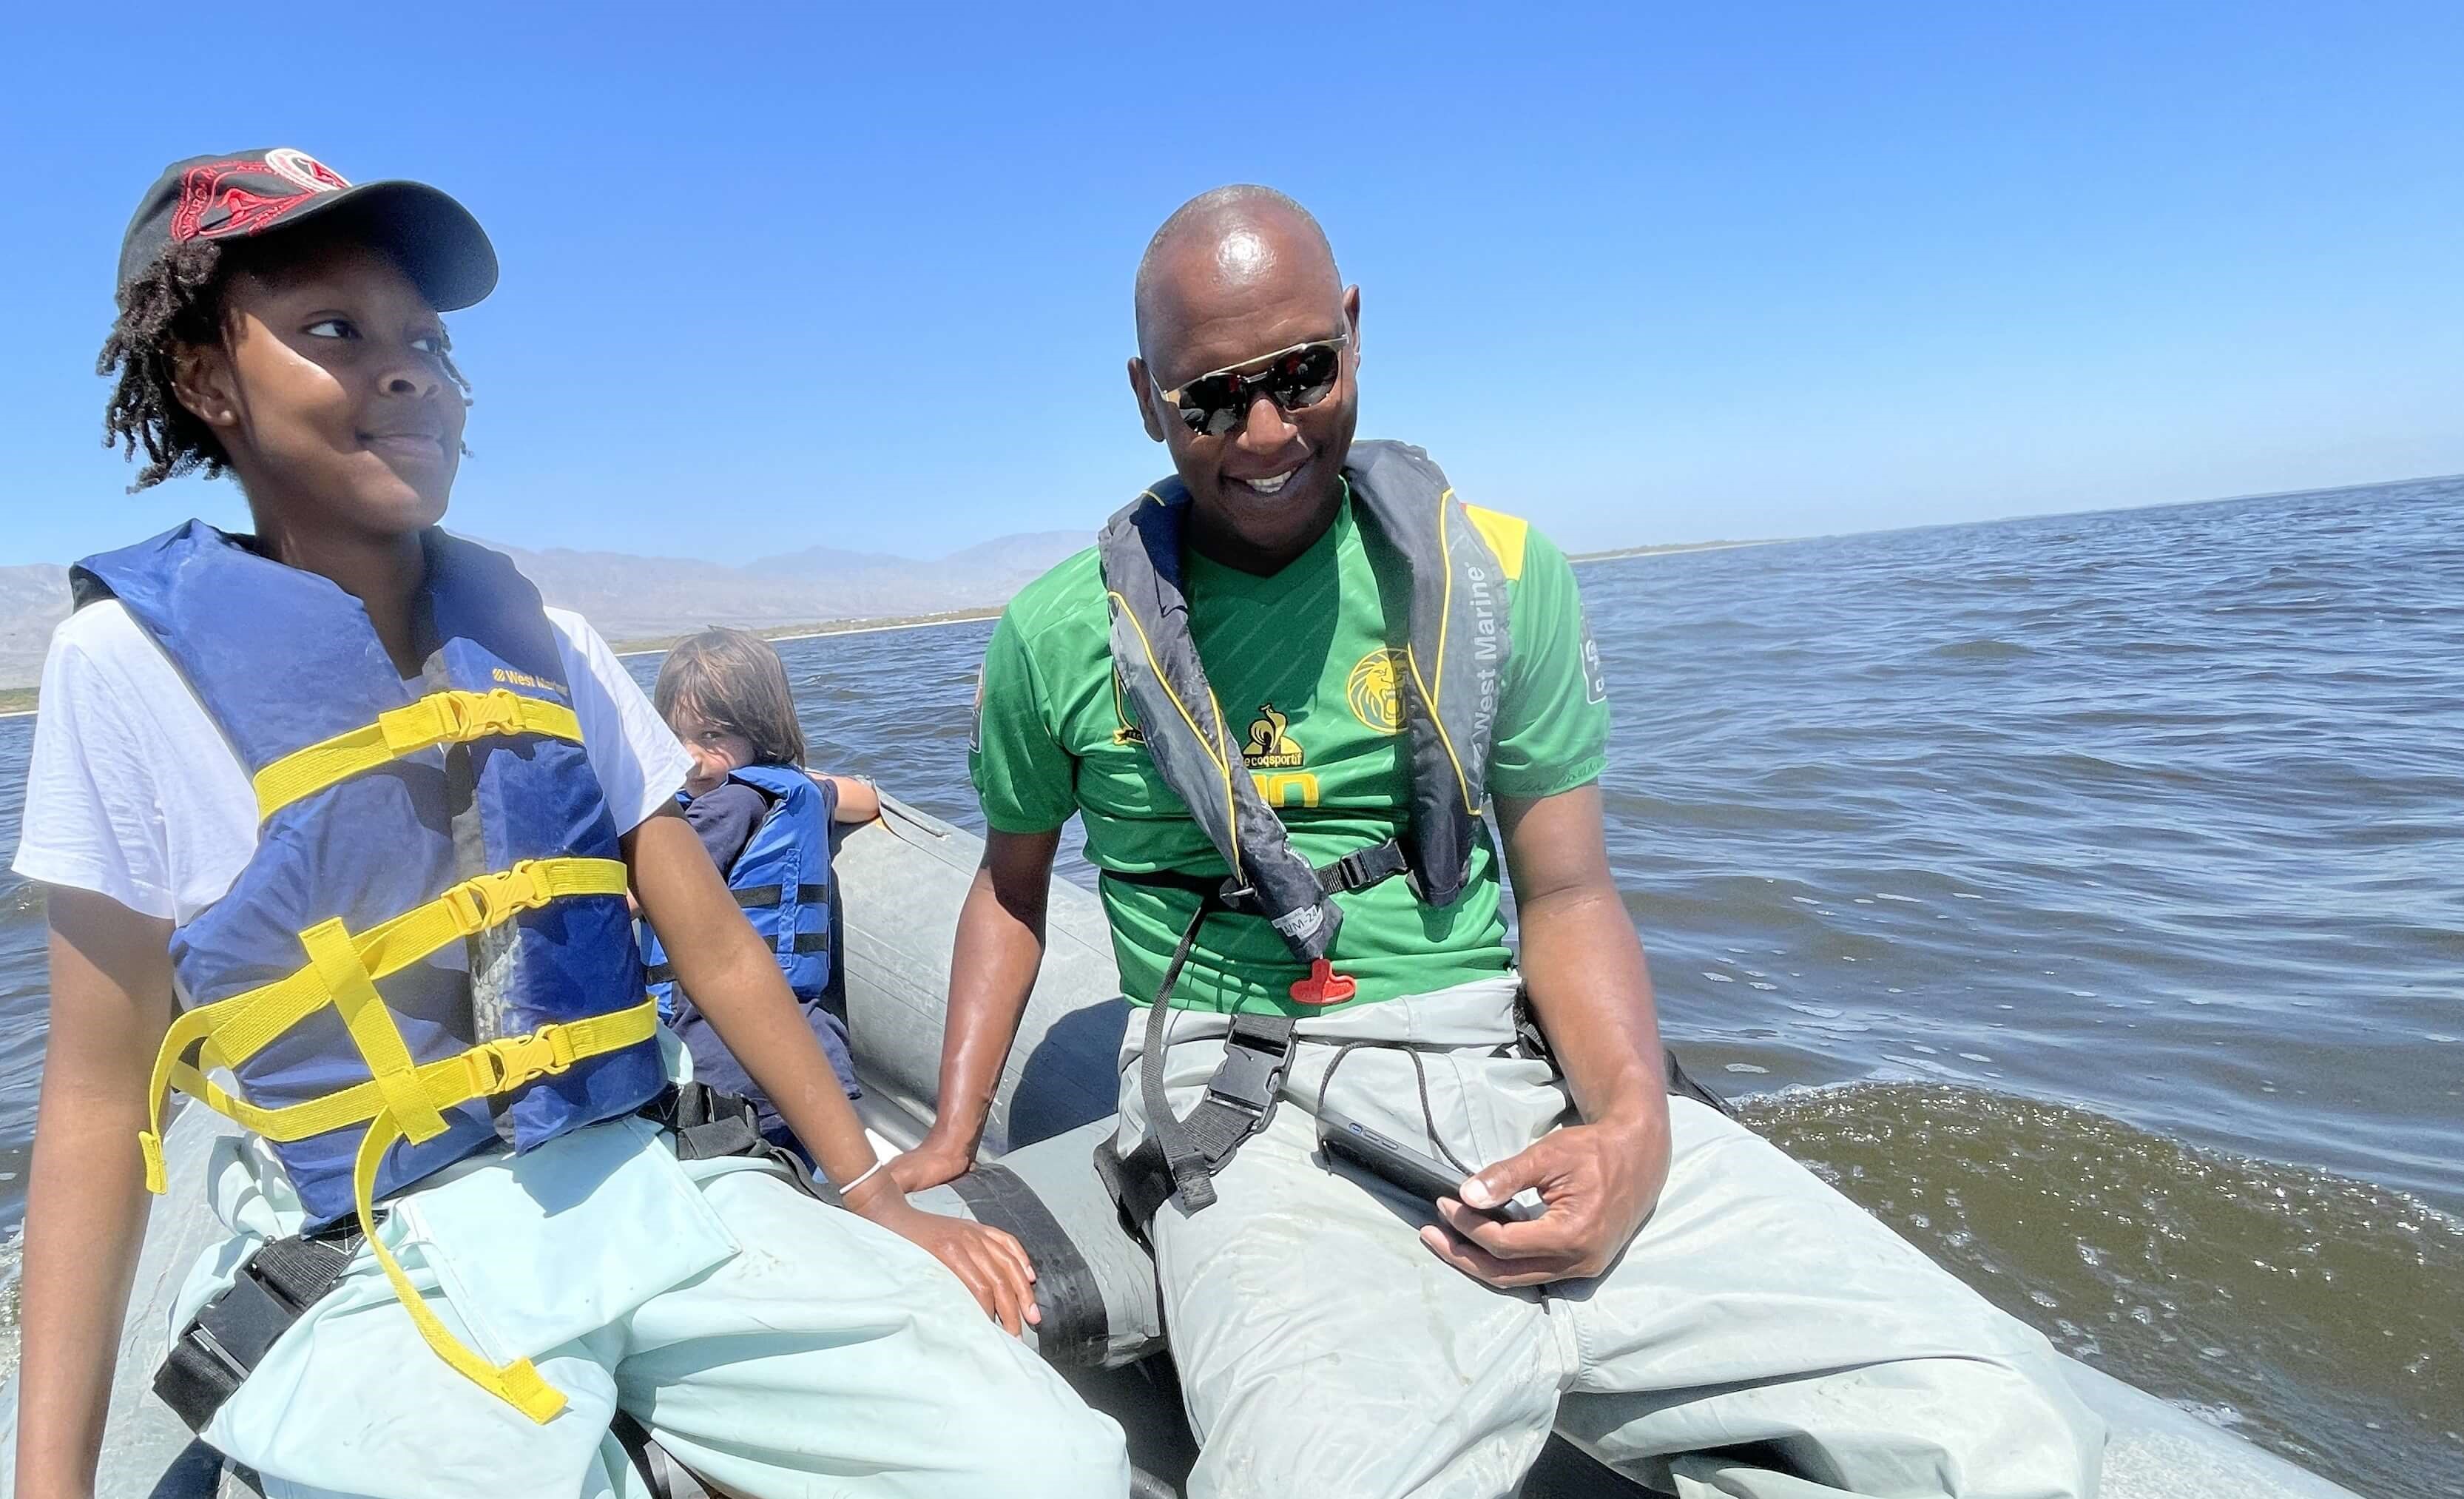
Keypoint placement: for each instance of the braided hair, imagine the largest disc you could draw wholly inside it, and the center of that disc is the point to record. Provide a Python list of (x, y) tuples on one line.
[(176, 301)]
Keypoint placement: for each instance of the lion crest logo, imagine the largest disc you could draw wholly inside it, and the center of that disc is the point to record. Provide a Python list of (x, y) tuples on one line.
[(1375, 690)]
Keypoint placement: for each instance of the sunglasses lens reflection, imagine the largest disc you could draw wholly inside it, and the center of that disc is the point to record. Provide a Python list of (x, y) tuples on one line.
[(1213, 404), (1306, 377), (1216, 403)]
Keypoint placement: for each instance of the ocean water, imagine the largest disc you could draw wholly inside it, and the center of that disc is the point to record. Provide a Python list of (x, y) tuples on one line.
[(2084, 895)]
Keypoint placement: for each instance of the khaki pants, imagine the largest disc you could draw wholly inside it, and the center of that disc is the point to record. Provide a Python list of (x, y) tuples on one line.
[(1762, 1336)]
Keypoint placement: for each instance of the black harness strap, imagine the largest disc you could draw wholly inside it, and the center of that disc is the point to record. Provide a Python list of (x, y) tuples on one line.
[(708, 1125), (666, 1477), (232, 1334), (1181, 1157), (1357, 870)]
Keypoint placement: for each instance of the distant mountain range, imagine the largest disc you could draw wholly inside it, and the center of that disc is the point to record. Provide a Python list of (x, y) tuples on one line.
[(634, 598)]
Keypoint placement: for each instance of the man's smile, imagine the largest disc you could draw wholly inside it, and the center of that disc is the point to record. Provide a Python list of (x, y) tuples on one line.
[(1271, 484)]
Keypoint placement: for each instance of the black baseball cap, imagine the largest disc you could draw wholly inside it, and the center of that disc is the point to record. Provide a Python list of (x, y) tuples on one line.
[(254, 193)]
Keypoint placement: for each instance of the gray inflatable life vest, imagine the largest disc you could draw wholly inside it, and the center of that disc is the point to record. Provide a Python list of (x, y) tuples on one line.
[(1448, 693)]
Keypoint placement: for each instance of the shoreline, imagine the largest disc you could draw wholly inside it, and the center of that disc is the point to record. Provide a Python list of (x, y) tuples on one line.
[(777, 634), (1616, 553)]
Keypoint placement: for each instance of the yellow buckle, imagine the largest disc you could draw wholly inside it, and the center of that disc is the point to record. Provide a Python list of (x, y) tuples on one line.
[(498, 712), (502, 1065), (479, 904), (451, 718)]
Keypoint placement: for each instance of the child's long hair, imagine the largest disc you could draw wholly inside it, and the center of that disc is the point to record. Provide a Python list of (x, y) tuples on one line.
[(737, 682)]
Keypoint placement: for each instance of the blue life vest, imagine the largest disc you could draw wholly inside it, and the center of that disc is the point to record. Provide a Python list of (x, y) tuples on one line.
[(782, 882), (429, 952)]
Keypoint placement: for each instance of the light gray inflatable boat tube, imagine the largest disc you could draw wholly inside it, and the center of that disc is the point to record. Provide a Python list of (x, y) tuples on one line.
[(903, 879)]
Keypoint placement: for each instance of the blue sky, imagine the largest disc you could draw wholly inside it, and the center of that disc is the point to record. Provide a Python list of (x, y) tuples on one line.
[(859, 276)]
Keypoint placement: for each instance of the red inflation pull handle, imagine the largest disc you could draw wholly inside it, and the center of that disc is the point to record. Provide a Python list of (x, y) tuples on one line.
[(1324, 985)]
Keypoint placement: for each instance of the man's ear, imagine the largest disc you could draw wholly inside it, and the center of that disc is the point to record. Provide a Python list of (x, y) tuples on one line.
[(1351, 315), (1143, 389), (201, 377)]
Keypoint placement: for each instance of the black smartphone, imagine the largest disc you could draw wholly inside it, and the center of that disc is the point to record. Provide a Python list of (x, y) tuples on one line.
[(1390, 1160)]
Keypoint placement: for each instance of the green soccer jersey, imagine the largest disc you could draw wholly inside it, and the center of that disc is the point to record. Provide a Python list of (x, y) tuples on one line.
[(1303, 658)]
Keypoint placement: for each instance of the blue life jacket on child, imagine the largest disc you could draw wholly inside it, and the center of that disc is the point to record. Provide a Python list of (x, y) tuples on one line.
[(782, 882), (781, 879), (429, 952)]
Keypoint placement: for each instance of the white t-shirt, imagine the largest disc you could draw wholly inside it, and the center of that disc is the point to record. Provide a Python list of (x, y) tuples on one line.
[(134, 793)]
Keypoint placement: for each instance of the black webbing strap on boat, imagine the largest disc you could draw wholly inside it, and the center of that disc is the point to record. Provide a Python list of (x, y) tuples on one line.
[(1179, 1156), (213, 1356), (1682, 1083), (1076, 1330)]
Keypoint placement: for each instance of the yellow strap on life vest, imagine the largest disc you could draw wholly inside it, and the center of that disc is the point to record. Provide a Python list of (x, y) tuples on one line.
[(492, 1068), (484, 1070), (372, 1029), (236, 1029), (454, 717)]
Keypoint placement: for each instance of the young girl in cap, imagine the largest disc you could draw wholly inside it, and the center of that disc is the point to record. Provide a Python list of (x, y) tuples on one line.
[(338, 825), (765, 823)]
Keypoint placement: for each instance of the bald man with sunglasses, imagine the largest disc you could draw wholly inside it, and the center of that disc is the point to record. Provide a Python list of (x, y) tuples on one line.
[(1633, 1267)]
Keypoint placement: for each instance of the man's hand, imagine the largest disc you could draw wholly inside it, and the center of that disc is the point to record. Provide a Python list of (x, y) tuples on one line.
[(1584, 972), (1598, 1183), (931, 1163)]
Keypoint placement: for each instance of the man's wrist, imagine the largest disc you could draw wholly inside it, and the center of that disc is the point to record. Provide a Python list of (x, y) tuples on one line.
[(952, 1143), (1640, 1116)]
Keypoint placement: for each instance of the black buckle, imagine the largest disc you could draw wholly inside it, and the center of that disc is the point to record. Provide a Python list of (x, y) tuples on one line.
[(1252, 1071), (1363, 867), (1352, 872)]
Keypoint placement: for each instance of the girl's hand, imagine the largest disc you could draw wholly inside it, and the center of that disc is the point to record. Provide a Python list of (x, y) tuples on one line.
[(989, 1263), (858, 799)]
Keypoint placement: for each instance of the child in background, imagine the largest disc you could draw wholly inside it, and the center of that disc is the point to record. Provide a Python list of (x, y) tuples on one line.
[(766, 824)]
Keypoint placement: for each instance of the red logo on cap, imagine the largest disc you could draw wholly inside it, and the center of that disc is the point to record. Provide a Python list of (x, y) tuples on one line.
[(241, 197)]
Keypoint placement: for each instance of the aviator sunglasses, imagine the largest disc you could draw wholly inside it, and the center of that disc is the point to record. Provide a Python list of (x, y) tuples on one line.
[(1295, 379)]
